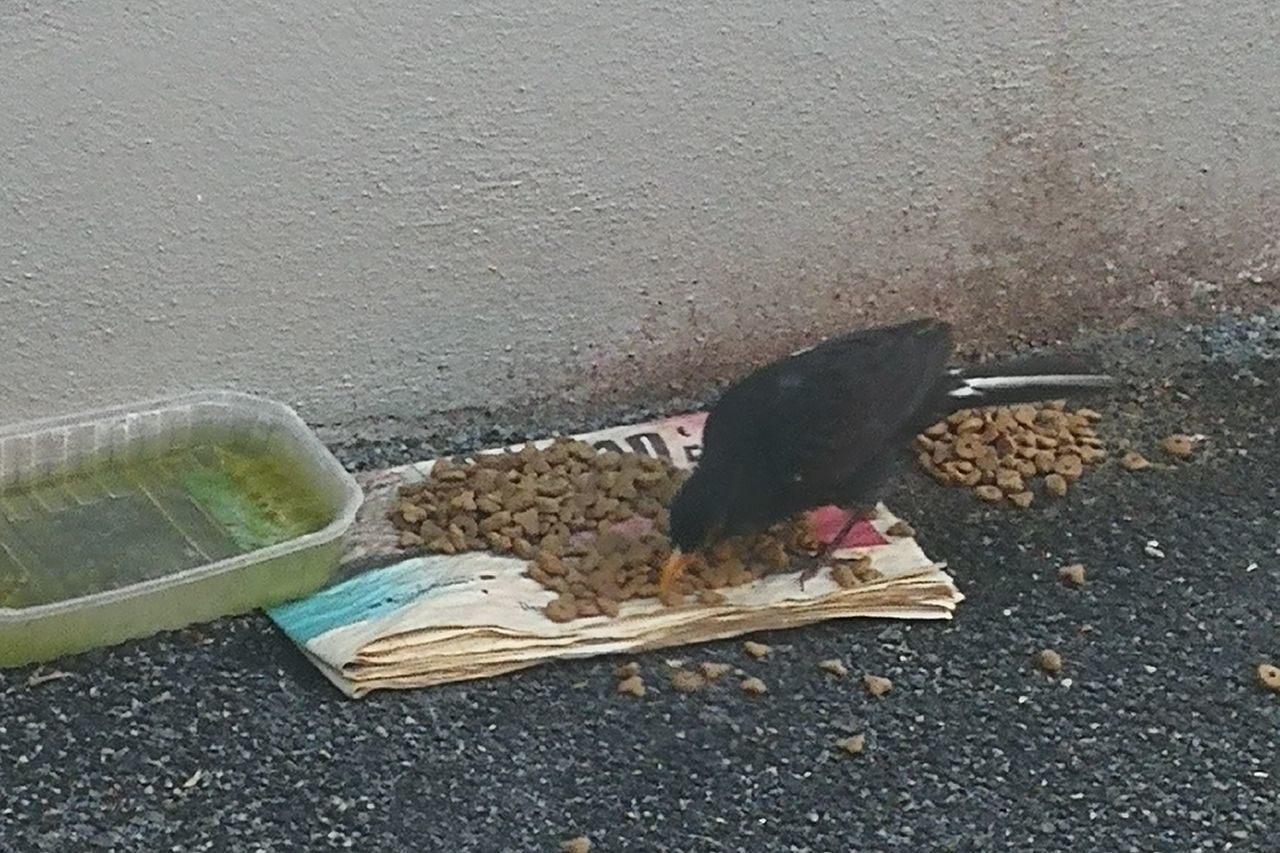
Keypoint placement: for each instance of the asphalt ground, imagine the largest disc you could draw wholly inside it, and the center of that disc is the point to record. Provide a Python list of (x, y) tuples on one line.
[(1155, 736)]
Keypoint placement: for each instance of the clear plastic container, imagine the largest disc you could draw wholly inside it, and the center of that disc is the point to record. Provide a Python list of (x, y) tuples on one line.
[(123, 522)]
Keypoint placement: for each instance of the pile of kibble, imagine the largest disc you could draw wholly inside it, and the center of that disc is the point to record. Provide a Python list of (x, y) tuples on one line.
[(593, 526), (999, 452)]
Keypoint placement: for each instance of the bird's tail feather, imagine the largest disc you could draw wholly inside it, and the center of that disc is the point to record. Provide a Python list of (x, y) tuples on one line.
[(1027, 380)]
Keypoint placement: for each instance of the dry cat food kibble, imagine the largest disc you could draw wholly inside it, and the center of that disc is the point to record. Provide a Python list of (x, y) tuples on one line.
[(998, 452), (1180, 446), (853, 573), (1269, 676), (1050, 661), (1056, 485), (627, 670), (592, 525), (713, 671), (1134, 461), (901, 529), (877, 685), (853, 744), (989, 493), (756, 650), (632, 686), (835, 666), (754, 686), (1072, 574), (581, 844), (686, 680)]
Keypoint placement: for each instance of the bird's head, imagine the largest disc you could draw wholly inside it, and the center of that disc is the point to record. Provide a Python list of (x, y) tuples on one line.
[(699, 512), (716, 502), (699, 516)]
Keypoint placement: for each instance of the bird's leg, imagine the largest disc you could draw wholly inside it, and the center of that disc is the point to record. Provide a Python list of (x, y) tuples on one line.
[(824, 556)]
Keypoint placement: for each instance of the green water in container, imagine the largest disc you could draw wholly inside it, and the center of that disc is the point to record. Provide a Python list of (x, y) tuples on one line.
[(109, 524)]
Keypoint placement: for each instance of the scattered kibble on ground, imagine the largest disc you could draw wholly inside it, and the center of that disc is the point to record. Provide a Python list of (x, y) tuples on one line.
[(1056, 485), (877, 685), (998, 452), (1180, 446), (756, 650), (853, 744), (1134, 461), (626, 670), (1072, 574), (1269, 675), (754, 686), (835, 666), (687, 681), (581, 844), (713, 670), (1050, 661), (632, 686), (592, 525)]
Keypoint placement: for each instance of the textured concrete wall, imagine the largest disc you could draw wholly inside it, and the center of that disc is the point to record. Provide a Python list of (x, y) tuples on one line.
[(396, 208)]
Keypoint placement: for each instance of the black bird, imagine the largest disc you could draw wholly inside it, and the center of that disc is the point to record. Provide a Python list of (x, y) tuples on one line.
[(826, 425)]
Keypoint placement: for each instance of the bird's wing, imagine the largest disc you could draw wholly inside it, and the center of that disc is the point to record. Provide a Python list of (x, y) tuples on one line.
[(820, 416)]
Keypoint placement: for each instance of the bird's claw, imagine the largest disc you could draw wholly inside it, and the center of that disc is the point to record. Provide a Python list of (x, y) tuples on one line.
[(809, 574)]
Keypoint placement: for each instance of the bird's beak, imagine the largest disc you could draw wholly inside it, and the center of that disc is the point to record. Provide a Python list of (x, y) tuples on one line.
[(672, 569)]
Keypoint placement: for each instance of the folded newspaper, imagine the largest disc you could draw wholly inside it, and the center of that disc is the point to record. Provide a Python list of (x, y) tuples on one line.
[(402, 622)]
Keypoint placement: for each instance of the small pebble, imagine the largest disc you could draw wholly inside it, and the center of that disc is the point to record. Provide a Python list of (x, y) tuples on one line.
[(581, 844), (633, 686), (877, 685), (852, 744), (1269, 675), (754, 686), (1050, 661), (835, 666), (756, 650), (1072, 574)]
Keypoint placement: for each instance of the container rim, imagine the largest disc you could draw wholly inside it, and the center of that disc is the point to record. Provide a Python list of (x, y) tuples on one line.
[(343, 519)]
